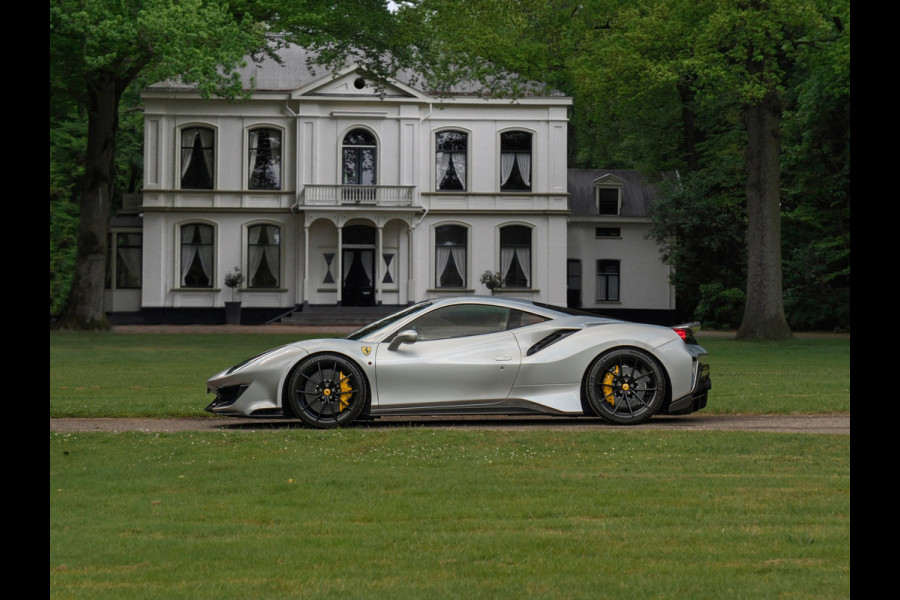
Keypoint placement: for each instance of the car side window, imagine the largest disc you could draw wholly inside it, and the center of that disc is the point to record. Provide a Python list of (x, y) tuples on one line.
[(470, 319)]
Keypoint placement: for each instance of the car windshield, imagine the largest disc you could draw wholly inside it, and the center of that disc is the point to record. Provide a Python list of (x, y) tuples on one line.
[(388, 320)]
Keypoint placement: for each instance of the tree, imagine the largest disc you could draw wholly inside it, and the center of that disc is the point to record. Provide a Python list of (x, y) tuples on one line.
[(752, 48), (666, 76), (97, 49), (100, 47)]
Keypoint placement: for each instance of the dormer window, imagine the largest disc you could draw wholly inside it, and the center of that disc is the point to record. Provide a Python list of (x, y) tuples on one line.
[(608, 200)]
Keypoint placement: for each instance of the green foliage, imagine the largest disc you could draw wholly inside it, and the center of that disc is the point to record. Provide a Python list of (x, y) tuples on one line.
[(720, 308), (699, 222), (68, 136), (662, 86), (383, 512)]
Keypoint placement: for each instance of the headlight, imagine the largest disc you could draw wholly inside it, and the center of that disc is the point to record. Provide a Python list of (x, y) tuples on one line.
[(244, 363)]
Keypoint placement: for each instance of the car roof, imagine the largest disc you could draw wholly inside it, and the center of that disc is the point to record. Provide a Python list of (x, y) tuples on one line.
[(517, 303)]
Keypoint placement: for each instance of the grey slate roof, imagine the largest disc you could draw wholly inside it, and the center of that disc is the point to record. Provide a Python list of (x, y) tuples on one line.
[(297, 70), (638, 194)]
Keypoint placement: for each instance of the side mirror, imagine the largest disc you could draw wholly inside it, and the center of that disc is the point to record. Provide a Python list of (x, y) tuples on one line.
[(409, 336)]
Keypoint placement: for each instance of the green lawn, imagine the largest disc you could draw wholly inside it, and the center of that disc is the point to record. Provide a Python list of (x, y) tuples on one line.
[(411, 512), (422, 513), (163, 375)]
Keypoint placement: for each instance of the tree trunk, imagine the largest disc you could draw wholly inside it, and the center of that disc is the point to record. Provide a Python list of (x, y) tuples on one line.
[(764, 311), (84, 306)]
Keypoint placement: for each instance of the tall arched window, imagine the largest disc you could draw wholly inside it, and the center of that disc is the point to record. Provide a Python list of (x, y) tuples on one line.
[(197, 255), (360, 155), (515, 256), (263, 256), (265, 159), (450, 153), (197, 158), (450, 246), (515, 161)]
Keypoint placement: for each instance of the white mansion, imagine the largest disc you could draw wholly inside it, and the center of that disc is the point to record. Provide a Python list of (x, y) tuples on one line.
[(325, 189)]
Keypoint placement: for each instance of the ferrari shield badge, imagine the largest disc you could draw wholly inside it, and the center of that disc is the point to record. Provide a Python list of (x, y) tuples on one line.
[(366, 350)]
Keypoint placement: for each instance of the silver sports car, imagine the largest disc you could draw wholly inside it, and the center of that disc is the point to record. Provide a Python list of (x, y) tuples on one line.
[(473, 355)]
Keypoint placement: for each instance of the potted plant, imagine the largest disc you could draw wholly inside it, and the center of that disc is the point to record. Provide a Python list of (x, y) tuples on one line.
[(492, 280), (233, 279)]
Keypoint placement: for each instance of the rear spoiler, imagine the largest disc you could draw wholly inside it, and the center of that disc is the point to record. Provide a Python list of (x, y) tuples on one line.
[(686, 331)]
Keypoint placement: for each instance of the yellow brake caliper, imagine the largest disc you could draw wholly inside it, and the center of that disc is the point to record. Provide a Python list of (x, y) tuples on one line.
[(607, 386), (346, 391)]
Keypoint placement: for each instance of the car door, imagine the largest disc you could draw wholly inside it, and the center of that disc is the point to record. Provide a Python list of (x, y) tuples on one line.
[(464, 354)]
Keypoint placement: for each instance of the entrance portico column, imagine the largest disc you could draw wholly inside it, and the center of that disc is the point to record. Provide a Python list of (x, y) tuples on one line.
[(340, 263), (379, 258), (305, 264)]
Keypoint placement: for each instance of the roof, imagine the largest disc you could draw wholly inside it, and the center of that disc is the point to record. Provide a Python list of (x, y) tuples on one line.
[(638, 194), (295, 70)]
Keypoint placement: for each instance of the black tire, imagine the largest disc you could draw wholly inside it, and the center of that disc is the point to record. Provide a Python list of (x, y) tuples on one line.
[(326, 390), (625, 386)]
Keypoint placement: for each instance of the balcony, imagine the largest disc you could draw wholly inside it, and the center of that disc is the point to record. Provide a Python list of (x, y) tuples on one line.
[(358, 195)]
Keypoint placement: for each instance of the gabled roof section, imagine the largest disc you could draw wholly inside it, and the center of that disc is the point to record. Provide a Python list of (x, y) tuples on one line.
[(638, 194), (353, 82), (609, 179)]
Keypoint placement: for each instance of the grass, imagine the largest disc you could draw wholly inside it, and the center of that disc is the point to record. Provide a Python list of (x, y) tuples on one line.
[(418, 513), (163, 375)]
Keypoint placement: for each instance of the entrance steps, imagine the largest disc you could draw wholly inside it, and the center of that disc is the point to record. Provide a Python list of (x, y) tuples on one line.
[(338, 315)]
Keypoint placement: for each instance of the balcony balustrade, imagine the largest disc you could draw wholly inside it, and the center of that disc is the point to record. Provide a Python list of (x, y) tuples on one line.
[(358, 195)]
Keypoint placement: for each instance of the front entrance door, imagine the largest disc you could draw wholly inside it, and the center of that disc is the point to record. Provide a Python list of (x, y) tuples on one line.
[(359, 278), (358, 259)]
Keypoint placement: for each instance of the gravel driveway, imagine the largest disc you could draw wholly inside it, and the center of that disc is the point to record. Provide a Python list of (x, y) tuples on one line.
[(837, 424)]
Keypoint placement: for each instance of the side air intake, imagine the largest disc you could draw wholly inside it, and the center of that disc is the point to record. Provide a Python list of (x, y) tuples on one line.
[(550, 340)]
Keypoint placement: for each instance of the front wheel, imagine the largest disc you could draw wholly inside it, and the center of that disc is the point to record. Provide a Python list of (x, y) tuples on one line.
[(326, 390), (625, 386)]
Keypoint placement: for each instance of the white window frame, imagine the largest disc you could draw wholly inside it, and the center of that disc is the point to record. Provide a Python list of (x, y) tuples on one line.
[(247, 156), (246, 256), (179, 160)]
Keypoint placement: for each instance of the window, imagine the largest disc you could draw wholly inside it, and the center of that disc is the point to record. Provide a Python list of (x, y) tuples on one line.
[(607, 232), (263, 256), (515, 256), (196, 256), (515, 161), (124, 266), (450, 152), (360, 151), (450, 246), (197, 158), (265, 159), (573, 283), (463, 320), (607, 280), (608, 201)]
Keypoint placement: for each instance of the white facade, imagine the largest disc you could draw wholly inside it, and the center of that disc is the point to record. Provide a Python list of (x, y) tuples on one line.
[(330, 190), (385, 226), (613, 265)]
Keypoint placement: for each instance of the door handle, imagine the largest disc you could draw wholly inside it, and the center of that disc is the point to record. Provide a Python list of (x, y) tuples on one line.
[(503, 358)]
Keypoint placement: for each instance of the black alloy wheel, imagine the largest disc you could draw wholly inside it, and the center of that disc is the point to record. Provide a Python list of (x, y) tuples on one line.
[(625, 386), (326, 390)]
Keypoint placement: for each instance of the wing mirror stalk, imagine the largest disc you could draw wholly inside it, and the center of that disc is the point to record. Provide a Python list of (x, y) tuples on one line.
[(408, 336)]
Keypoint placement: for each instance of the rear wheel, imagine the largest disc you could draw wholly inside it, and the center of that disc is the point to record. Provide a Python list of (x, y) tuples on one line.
[(625, 386), (326, 390)]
